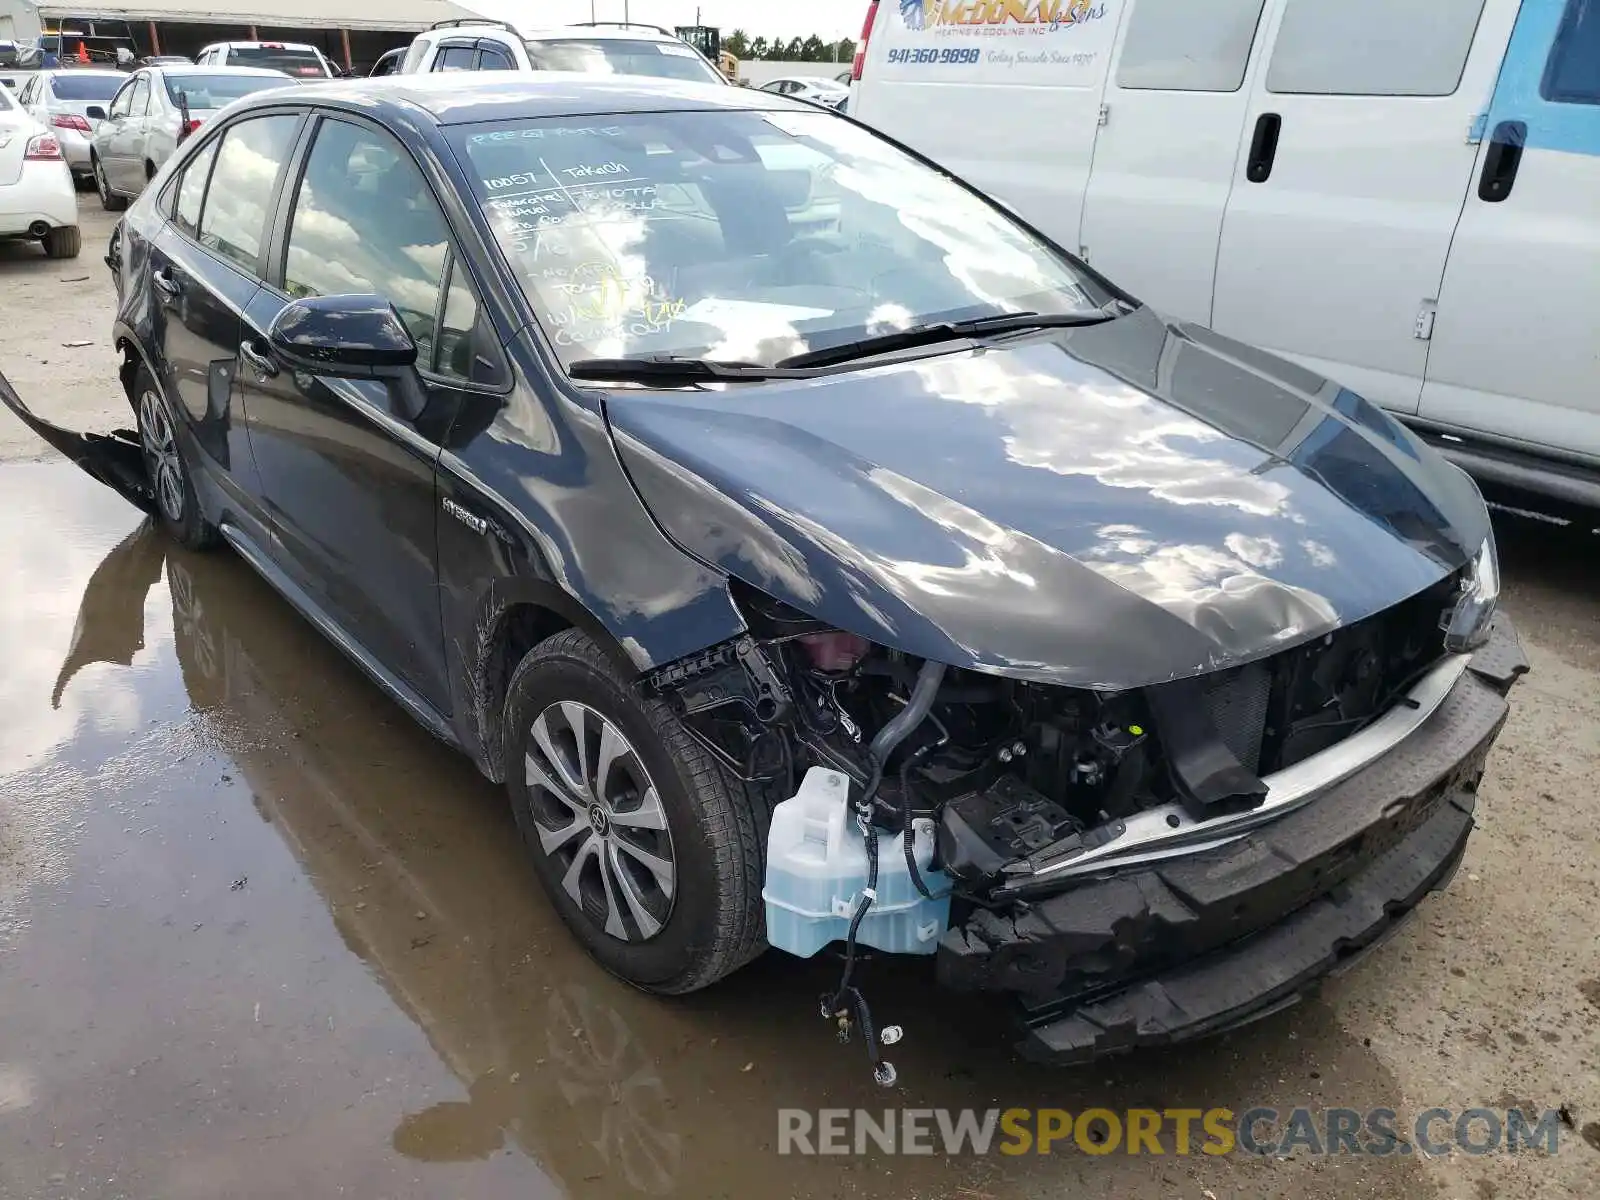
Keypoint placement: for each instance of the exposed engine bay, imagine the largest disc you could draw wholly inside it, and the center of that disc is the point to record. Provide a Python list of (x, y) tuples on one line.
[(1009, 771), (925, 809)]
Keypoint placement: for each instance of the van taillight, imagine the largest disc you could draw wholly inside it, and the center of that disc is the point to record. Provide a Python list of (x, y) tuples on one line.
[(866, 36)]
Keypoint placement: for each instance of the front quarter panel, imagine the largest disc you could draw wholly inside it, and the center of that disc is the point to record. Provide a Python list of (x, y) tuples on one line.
[(535, 509)]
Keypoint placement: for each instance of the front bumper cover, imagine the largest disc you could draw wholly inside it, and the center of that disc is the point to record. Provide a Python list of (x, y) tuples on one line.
[(1209, 941)]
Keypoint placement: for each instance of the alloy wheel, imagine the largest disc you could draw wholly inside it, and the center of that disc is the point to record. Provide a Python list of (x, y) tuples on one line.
[(600, 817), (161, 456)]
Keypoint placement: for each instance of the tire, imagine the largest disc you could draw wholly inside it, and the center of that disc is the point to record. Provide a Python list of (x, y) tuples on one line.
[(109, 200), (714, 836), (177, 506), (64, 241)]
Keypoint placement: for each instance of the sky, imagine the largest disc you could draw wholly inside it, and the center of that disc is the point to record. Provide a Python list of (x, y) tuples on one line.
[(828, 19)]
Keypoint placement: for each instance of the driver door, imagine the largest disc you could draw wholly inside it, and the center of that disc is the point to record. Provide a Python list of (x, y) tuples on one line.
[(347, 478)]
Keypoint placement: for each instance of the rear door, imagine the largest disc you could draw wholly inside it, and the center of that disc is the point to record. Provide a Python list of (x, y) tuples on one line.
[(1164, 162), (205, 268), (1354, 168), (1007, 96), (1516, 350), (349, 479)]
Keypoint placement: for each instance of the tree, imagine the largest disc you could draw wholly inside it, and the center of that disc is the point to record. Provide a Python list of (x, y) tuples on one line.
[(795, 51), (814, 50), (759, 48), (737, 44), (846, 51)]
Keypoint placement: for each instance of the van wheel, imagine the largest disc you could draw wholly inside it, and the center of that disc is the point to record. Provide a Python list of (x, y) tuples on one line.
[(170, 479), (109, 200), (650, 852), (64, 241)]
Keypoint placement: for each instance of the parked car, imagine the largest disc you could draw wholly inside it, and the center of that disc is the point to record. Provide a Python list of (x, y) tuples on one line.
[(37, 199), (153, 112), (1407, 207), (812, 89), (72, 104), (593, 48), (292, 58), (1166, 666), (389, 62)]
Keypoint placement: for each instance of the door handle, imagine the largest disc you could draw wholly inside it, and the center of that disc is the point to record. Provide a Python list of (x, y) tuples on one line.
[(1500, 164), (258, 362), (1263, 148), (165, 284)]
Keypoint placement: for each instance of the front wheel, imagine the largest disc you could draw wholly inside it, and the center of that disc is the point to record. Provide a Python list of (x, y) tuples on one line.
[(650, 852), (109, 200)]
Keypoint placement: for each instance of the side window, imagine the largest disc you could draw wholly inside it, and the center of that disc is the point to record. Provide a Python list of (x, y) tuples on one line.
[(139, 102), (366, 222), (414, 56), (1373, 47), (25, 97), (454, 58), (456, 356), (234, 218), (1573, 76), (192, 189), (492, 58), (1182, 46), (120, 102)]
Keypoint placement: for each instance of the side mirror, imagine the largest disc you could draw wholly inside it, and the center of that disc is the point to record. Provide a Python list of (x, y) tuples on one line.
[(95, 112), (350, 337)]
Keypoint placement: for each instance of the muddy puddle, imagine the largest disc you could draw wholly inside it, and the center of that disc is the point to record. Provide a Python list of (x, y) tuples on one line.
[(260, 936)]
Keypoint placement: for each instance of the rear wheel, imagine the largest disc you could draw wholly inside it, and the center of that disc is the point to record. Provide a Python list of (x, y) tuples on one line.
[(109, 200), (651, 854), (170, 479), (64, 241)]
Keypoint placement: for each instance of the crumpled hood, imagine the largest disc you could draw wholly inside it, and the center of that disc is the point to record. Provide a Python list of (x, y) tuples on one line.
[(1113, 506)]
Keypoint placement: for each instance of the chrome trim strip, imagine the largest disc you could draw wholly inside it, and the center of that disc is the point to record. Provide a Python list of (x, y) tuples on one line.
[(1169, 831)]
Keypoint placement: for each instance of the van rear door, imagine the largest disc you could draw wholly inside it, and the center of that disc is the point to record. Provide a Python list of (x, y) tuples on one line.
[(1005, 94), (1164, 163), (1514, 352), (1355, 164)]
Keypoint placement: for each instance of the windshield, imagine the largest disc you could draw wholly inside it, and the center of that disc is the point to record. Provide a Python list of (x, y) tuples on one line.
[(278, 58), (746, 236), (607, 56), (85, 86), (215, 91)]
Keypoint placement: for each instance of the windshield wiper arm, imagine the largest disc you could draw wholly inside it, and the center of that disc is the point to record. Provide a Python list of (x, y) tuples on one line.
[(667, 369), (943, 331)]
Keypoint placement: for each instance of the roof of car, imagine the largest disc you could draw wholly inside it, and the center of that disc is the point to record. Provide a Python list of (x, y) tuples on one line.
[(262, 45), (208, 69), (544, 33), (463, 97)]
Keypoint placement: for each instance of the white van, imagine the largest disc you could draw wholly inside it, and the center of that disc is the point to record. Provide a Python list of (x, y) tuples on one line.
[(1403, 195)]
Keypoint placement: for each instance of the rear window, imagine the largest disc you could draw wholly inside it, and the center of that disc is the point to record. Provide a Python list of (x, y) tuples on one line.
[(302, 63), (609, 56), (86, 87), (215, 91)]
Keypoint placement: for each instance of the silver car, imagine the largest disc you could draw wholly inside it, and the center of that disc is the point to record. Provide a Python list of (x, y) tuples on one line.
[(153, 112), (71, 104)]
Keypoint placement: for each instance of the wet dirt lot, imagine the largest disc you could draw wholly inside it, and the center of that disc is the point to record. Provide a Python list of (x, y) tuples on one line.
[(259, 936)]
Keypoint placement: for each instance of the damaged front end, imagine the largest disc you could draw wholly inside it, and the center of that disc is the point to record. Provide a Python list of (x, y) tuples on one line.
[(1133, 867)]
